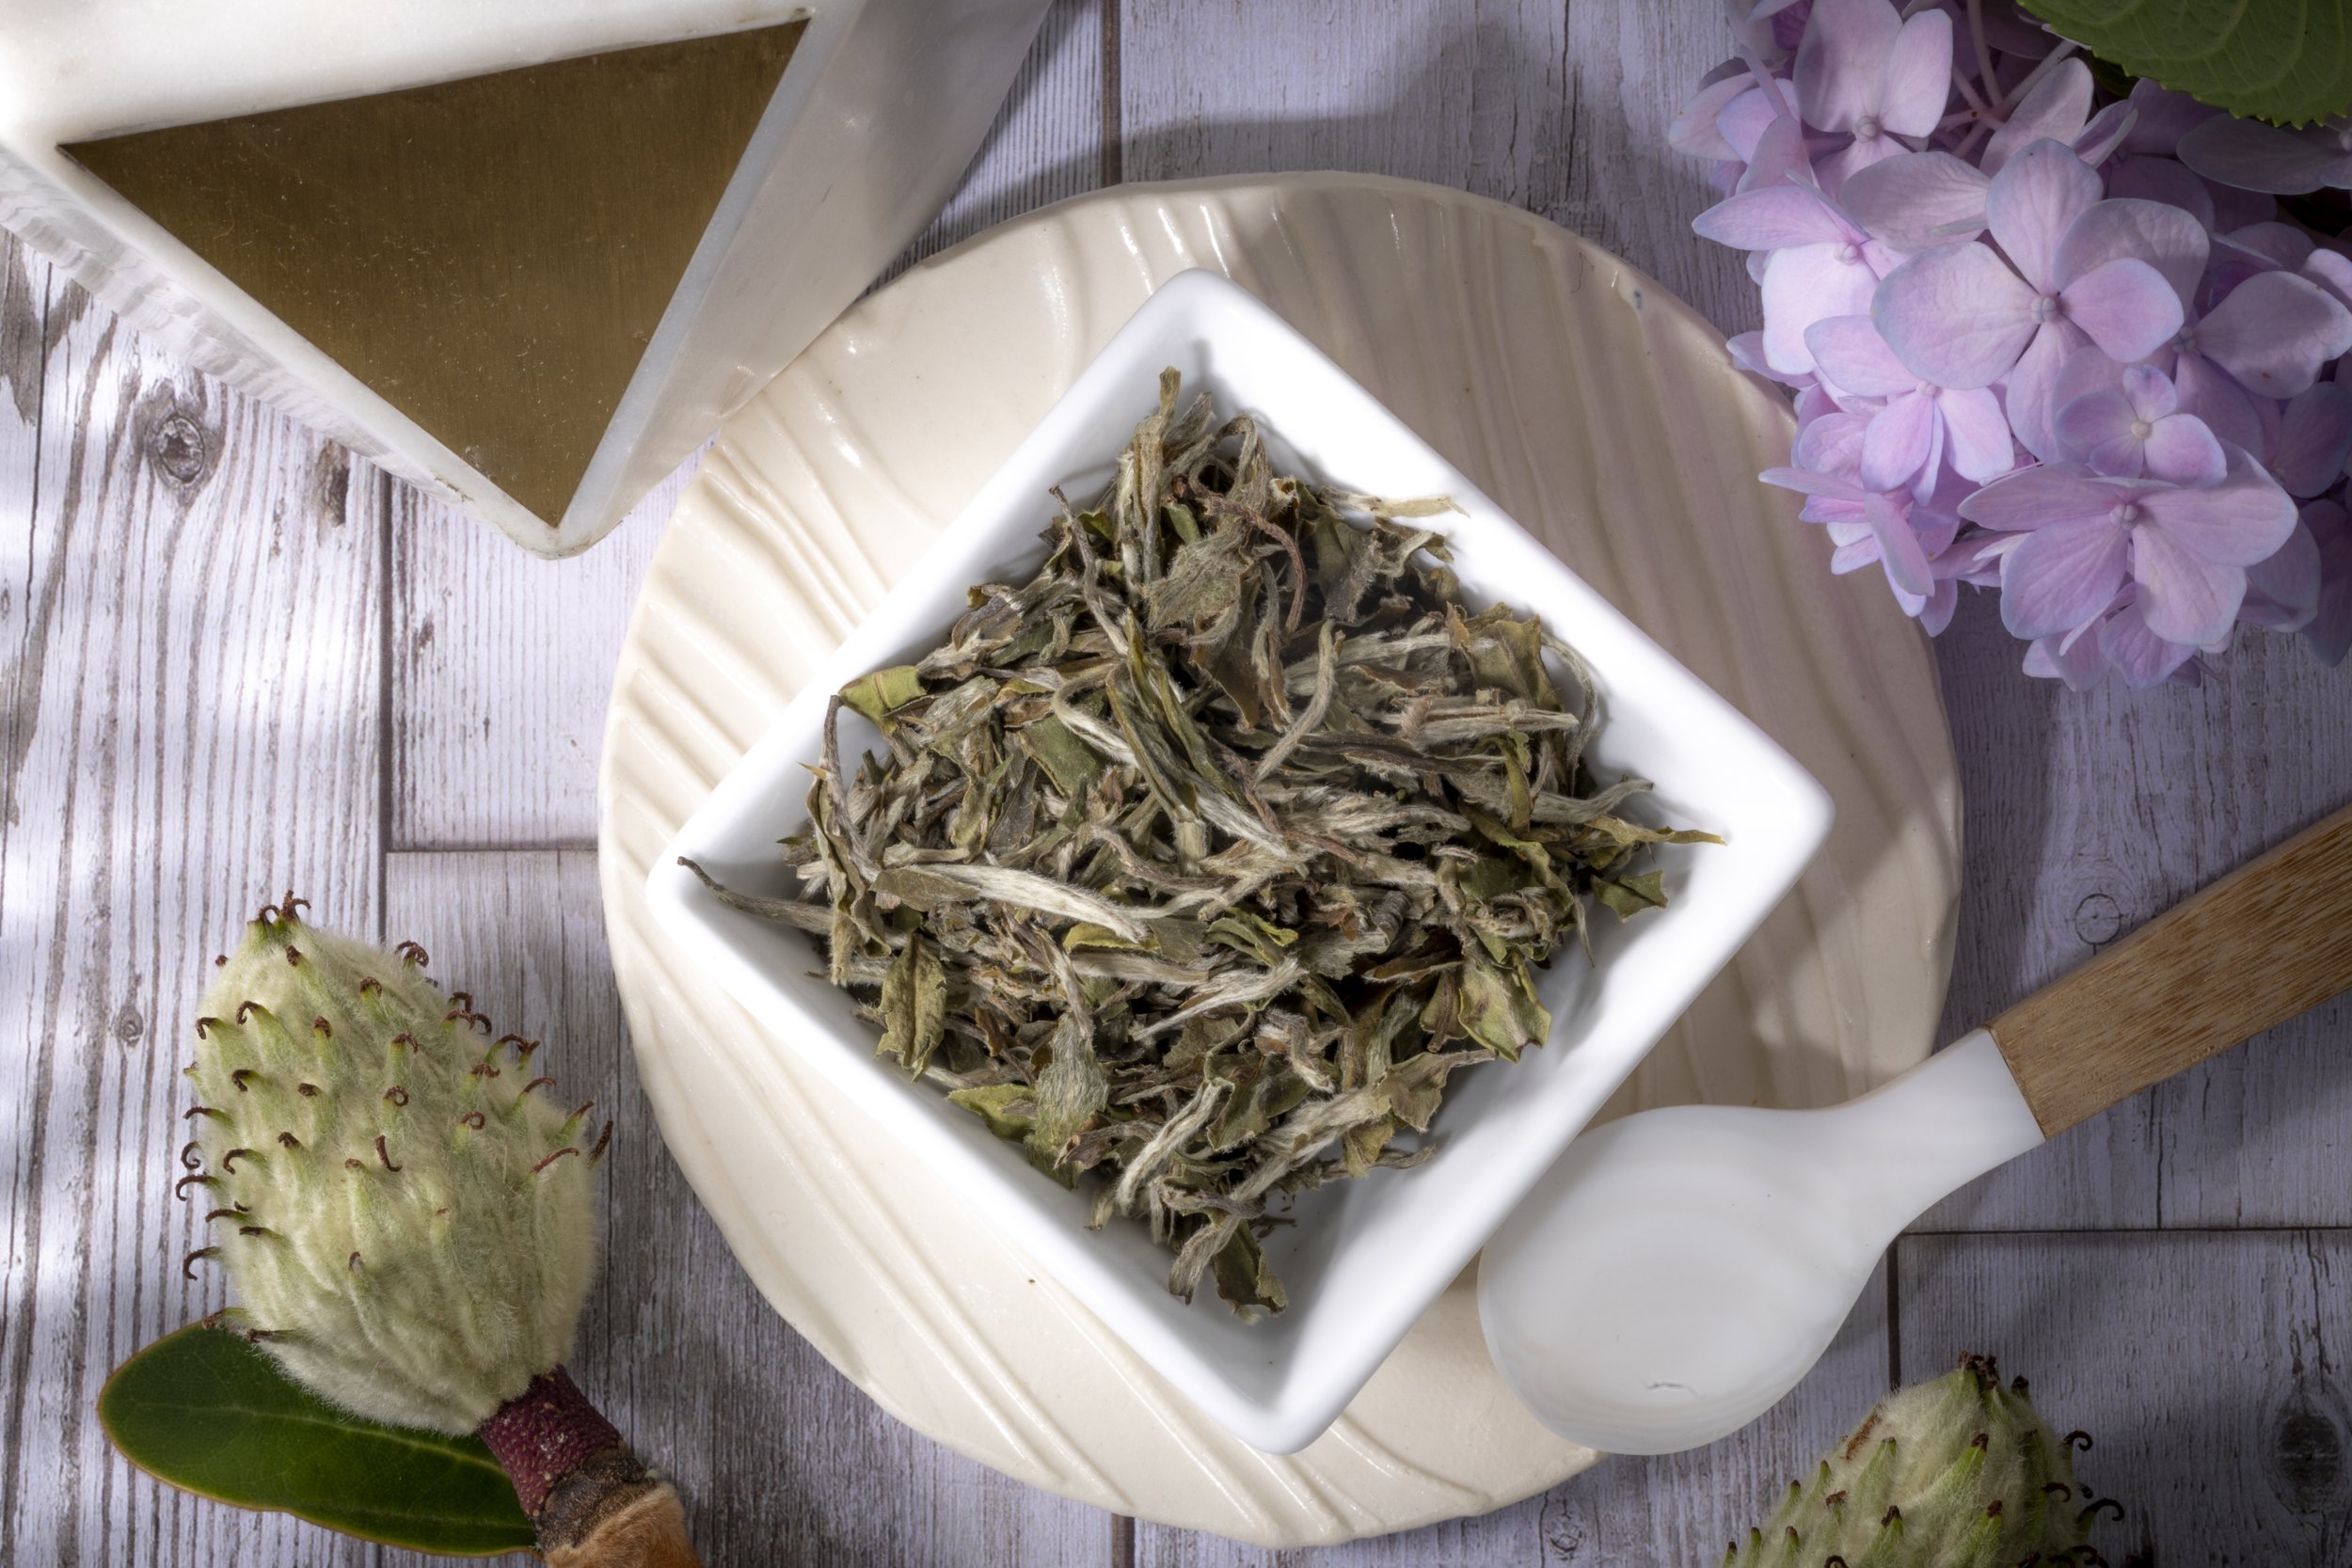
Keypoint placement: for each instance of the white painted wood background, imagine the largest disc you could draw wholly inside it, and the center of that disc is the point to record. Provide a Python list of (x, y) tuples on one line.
[(231, 658)]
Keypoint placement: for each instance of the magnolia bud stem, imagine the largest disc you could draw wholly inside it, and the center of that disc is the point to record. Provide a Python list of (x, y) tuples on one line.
[(593, 1502)]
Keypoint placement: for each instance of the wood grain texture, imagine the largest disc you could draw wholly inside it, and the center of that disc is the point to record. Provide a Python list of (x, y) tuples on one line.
[(2267, 942), (778, 1458), (2088, 814), (191, 695), (190, 670), (1679, 1508), (500, 662), (1047, 141), (2206, 1364), (1561, 110)]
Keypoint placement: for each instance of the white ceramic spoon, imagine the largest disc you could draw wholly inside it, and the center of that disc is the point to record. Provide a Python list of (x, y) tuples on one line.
[(1677, 1272)]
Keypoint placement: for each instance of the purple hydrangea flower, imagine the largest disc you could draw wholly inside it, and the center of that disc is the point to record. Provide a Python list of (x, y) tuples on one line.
[(1960, 315), (2087, 534), (1865, 72), (1821, 263), (2039, 341), (1919, 426), (2329, 629), (2252, 157), (2138, 428)]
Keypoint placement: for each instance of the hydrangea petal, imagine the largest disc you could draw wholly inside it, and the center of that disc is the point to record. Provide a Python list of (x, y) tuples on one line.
[(1904, 557), (2125, 306), (1918, 75), (2274, 333), (2186, 597), (2333, 271), (2314, 440), (1780, 153), (2097, 430), (1917, 201), (1694, 129), (2284, 243), (1810, 482), (2055, 493), (2062, 575), (2162, 117), (2149, 393), (1832, 444), (1936, 613), (2165, 237), (2136, 653), (2139, 177), (2086, 371), (1899, 442), (2282, 591), (2030, 203), (2252, 157), (1746, 118), (1772, 218), (2208, 392), (1802, 285), (2072, 657), (1977, 558), (2236, 209), (2236, 523), (1975, 433), (1841, 63), (1835, 170), (1851, 353), (2182, 450), (1747, 352), (2032, 384), (2330, 631), (2103, 134), (1956, 315), (2058, 108), (1852, 556)]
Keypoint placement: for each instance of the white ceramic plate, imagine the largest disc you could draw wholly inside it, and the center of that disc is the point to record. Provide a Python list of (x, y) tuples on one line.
[(1361, 1259), (1591, 407)]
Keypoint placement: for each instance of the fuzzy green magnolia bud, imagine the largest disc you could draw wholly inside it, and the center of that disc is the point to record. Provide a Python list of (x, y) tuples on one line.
[(408, 1218), (1959, 1472)]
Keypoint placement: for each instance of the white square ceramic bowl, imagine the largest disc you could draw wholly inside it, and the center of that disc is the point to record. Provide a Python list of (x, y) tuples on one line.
[(1364, 1258)]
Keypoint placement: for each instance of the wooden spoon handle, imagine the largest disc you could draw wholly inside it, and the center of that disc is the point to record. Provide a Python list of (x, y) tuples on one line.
[(2259, 946)]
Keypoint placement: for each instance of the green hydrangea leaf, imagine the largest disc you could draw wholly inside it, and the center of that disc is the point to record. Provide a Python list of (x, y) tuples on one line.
[(205, 1411), (2286, 61)]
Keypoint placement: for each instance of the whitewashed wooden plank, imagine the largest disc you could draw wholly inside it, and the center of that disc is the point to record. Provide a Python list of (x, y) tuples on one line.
[(24, 282), (2089, 813), (502, 663), (1674, 1509), (1633, 68), (1471, 97), (1558, 109), (1047, 142), (779, 1458), (2206, 1364), (190, 627)]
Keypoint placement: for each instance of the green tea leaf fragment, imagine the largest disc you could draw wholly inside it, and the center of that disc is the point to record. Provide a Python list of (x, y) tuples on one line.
[(914, 1005), (885, 691), (1629, 895)]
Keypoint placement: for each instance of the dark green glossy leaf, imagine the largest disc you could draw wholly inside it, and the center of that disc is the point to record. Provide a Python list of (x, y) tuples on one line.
[(205, 1411), (2287, 61)]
